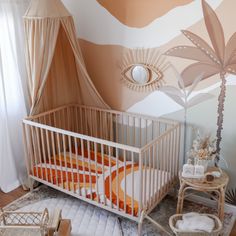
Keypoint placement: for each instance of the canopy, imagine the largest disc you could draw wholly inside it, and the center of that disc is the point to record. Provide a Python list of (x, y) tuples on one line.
[(56, 70)]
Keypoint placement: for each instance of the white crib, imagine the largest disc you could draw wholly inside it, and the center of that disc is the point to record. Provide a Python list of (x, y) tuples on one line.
[(123, 162)]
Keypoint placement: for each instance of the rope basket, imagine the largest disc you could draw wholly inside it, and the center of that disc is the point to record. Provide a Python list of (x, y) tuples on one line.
[(216, 231)]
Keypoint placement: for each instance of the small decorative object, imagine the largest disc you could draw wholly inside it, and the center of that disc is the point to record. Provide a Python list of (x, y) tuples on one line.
[(216, 174), (142, 69), (203, 150), (199, 169), (209, 177), (188, 169)]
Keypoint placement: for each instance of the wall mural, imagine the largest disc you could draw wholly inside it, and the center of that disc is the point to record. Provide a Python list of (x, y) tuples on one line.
[(182, 96), (220, 59), (106, 38), (140, 8)]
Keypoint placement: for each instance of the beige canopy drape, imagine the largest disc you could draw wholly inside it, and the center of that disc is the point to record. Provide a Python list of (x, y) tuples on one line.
[(56, 71)]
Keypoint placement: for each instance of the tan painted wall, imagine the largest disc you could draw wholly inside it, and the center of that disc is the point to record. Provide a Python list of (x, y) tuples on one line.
[(140, 13)]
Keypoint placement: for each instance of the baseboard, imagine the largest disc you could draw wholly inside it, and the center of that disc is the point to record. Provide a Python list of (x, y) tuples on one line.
[(212, 203)]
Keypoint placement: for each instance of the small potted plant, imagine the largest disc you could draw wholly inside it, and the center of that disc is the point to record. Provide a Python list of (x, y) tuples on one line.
[(203, 150)]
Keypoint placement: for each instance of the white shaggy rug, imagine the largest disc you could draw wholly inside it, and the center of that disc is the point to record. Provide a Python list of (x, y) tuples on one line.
[(86, 219)]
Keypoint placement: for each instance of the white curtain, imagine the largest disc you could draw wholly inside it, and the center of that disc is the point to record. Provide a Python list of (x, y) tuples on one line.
[(13, 99)]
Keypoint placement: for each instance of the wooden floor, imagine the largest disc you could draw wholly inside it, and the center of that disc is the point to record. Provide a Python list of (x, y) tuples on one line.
[(6, 198), (233, 232)]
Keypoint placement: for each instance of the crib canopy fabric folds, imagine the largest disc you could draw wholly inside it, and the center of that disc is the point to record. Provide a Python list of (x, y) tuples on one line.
[(56, 70)]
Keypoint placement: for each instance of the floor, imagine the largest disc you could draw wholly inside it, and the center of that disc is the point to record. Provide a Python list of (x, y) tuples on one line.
[(6, 198)]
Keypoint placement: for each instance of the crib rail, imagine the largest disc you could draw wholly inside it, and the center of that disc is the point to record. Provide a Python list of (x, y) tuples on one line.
[(160, 166), (89, 153)]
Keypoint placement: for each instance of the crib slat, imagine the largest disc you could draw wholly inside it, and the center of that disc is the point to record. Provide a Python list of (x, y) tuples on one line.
[(134, 138), (77, 130), (117, 179), (145, 177), (54, 156), (96, 124), (103, 176), (90, 177), (153, 174), (110, 179), (132, 181), (140, 133), (81, 120), (65, 161), (49, 156), (83, 160), (96, 170), (156, 181), (77, 165), (41, 151), (150, 173), (35, 153), (140, 207), (124, 154), (161, 167), (71, 165), (59, 156), (111, 138)]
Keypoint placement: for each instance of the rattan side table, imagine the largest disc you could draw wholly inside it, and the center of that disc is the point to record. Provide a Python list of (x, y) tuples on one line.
[(218, 185)]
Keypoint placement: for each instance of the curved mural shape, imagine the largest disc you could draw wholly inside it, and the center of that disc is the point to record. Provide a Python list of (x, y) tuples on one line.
[(140, 13), (97, 25)]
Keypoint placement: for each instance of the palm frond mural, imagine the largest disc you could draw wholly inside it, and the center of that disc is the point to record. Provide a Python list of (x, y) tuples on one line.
[(230, 196), (183, 97), (220, 58)]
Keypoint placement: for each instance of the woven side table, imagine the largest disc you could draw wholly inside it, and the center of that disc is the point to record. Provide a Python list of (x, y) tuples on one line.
[(218, 186)]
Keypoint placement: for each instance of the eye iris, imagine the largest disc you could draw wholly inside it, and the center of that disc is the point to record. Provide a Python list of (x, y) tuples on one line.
[(140, 74)]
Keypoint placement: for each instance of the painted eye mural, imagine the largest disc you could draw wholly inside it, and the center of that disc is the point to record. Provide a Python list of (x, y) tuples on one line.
[(142, 69)]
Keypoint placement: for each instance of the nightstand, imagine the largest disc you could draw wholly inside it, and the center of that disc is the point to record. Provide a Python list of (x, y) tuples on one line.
[(218, 185)]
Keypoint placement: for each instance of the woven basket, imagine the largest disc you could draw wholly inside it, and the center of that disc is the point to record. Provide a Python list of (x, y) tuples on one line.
[(216, 232)]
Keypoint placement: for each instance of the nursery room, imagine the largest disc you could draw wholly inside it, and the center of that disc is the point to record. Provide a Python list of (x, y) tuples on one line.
[(117, 118)]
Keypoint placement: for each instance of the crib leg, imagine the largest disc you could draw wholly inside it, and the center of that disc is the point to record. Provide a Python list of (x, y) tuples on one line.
[(140, 223), (31, 184), (158, 225)]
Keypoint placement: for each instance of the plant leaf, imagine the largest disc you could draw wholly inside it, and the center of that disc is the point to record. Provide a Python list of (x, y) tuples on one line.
[(231, 69), (179, 78), (171, 90), (194, 70), (195, 83), (202, 45), (233, 59), (177, 99), (201, 97), (230, 49), (189, 52), (214, 29)]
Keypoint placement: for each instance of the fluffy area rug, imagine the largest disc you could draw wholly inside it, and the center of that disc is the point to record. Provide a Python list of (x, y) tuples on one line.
[(88, 220)]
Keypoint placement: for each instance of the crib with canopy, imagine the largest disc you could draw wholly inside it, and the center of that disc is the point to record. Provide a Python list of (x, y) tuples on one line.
[(123, 162)]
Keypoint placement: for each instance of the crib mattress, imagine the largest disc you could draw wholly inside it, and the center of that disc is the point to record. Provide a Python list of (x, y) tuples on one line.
[(93, 180)]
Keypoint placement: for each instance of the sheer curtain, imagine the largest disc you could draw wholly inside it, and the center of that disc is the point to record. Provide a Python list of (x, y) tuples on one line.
[(12, 93)]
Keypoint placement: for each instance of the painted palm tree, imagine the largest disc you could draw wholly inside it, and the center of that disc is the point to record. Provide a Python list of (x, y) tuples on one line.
[(183, 97), (220, 58)]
